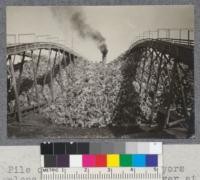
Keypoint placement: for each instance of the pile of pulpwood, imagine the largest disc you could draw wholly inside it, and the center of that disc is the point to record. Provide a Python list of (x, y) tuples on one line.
[(87, 94), (83, 94)]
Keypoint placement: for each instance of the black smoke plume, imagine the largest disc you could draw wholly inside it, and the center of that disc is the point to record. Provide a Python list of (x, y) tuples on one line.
[(78, 21)]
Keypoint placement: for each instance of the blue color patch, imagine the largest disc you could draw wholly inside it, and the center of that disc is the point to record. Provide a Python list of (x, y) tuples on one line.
[(139, 160), (152, 160)]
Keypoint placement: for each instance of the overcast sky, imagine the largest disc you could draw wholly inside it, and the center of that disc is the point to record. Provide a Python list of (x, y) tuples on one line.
[(119, 25)]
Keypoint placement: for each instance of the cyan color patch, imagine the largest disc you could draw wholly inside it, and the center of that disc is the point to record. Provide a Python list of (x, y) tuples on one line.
[(139, 160)]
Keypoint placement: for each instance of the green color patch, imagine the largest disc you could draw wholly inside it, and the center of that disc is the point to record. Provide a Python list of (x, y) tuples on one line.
[(125, 160)]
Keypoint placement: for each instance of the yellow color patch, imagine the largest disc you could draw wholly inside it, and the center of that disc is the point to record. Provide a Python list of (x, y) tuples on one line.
[(113, 160)]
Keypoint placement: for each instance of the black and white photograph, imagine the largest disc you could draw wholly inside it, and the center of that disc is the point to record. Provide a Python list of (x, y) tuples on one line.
[(100, 72)]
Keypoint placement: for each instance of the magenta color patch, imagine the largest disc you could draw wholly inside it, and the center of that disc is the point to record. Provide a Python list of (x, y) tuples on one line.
[(88, 160)]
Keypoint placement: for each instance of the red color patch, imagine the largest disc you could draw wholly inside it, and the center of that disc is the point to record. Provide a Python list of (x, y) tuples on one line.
[(101, 160)]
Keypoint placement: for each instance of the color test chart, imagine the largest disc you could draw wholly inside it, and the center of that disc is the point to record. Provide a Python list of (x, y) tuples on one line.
[(105, 160), (90, 155)]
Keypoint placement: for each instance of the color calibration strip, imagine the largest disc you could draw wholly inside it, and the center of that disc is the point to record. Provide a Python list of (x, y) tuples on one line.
[(84, 154), (100, 160), (101, 148)]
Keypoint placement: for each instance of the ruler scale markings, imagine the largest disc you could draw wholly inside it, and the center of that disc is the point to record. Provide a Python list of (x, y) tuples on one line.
[(139, 175), (100, 176), (145, 176), (134, 173), (107, 175), (154, 176), (130, 176), (104, 176), (136, 176), (88, 174)]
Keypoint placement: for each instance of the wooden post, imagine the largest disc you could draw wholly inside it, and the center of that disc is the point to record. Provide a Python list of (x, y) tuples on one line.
[(51, 77), (60, 74), (54, 63), (72, 62), (64, 58), (38, 61), (35, 80), (180, 35), (21, 70), (36, 71), (49, 59), (188, 37), (166, 124), (17, 103)]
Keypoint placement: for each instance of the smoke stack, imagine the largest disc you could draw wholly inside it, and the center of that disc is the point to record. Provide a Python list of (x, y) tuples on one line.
[(104, 51), (104, 54), (103, 59)]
